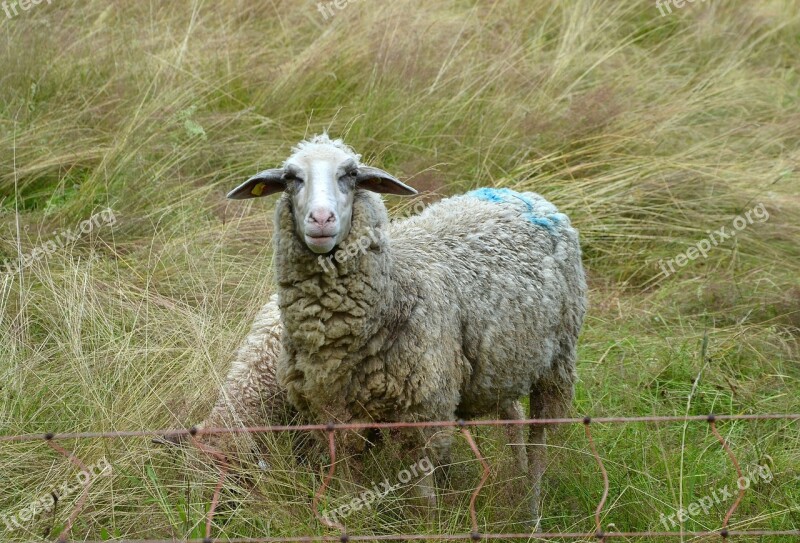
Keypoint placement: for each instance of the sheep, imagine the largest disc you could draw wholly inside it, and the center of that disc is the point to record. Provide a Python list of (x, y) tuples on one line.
[(250, 395), (454, 313)]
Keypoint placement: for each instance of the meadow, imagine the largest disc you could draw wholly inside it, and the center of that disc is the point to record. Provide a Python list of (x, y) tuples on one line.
[(651, 130)]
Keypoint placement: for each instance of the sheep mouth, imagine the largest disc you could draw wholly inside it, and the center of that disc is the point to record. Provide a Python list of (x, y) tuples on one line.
[(320, 244)]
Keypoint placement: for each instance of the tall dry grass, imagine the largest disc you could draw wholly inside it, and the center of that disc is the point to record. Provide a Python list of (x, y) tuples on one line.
[(649, 131)]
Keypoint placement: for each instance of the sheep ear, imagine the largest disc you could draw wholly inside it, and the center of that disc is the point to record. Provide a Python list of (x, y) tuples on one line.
[(261, 184), (379, 181)]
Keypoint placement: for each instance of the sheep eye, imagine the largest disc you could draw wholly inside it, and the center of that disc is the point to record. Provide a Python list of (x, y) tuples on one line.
[(292, 180)]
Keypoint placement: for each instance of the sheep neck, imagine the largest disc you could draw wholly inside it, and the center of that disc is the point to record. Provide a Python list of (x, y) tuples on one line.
[(338, 314)]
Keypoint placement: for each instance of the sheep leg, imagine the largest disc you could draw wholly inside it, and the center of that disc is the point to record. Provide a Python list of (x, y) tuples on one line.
[(537, 457), (550, 399), (438, 442), (516, 434)]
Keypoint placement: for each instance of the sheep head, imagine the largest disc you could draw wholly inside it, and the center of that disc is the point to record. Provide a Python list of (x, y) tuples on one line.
[(321, 178)]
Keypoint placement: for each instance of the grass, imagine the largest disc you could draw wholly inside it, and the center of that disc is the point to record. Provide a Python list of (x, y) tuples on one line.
[(648, 131)]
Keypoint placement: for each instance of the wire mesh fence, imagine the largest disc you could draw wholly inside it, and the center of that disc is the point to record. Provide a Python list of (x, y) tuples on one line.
[(474, 534)]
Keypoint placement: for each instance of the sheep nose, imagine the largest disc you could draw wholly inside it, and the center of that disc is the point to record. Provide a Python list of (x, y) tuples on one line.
[(322, 217)]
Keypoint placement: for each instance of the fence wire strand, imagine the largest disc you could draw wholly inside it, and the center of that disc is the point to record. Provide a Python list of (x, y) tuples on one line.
[(222, 461), (598, 525)]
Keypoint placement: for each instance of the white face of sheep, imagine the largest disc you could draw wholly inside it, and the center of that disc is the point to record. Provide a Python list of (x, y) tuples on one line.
[(321, 184)]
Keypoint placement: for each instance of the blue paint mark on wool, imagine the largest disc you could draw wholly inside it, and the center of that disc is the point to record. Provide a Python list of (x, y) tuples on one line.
[(540, 221), (509, 196), (489, 194)]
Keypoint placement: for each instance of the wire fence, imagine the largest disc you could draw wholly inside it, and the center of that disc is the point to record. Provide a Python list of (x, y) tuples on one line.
[(330, 430)]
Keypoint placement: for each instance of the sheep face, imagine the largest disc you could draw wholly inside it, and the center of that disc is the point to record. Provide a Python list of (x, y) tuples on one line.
[(321, 178), (321, 192)]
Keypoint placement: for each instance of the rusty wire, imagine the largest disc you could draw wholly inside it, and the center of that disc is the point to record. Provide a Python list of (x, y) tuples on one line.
[(598, 525), (462, 537), (62, 537), (475, 535), (222, 459), (712, 423), (325, 483), (379, 425), (486, 471)]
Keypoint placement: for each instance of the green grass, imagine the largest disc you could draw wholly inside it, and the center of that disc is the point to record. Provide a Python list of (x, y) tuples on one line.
[(648, 131)]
